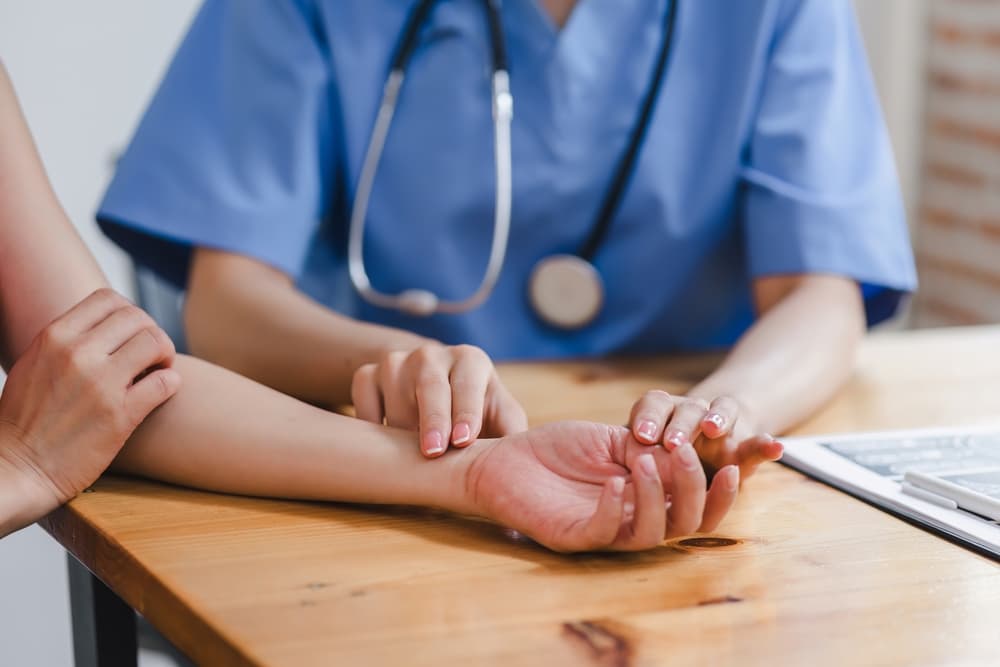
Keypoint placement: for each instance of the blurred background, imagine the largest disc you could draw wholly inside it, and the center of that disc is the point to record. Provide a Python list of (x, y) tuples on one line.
[(85, 70)]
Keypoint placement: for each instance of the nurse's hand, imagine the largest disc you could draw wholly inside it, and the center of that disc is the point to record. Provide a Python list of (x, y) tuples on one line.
[(579, 486), (452, 394), (77, 393), (723, 433)]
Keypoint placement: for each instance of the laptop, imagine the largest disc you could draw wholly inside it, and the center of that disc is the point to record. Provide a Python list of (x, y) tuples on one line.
[(945, 480)]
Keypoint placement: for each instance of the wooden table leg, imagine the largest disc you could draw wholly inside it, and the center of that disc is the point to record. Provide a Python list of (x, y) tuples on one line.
[(104, 630)]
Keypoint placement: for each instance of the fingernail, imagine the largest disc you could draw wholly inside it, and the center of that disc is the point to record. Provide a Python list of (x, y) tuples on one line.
[(731, 478), (716, 420), (689, 458), (618, 488), (461, 434), (433, 443), (629, 510), (647, 465), (647, 430), (676, 438)]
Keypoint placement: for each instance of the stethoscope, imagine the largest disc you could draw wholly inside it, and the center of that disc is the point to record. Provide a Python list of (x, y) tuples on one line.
[(565, 290)]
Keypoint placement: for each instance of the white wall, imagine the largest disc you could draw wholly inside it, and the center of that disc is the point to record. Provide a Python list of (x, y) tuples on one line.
[(84, 71), (896, 36)]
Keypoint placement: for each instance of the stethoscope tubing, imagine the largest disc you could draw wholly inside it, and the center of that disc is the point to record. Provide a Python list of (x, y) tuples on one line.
[(423, 302)]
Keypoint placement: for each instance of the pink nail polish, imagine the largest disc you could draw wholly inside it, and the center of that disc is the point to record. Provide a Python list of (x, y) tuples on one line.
[(461, 434), (433, 443), (647, 430), (688, 457), (716, 420), (676, 438)]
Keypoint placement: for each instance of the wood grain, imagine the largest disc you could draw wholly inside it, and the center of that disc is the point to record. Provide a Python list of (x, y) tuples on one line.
[(797, 574)]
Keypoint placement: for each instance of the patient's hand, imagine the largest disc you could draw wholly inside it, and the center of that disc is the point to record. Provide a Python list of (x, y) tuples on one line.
[(579, 486)]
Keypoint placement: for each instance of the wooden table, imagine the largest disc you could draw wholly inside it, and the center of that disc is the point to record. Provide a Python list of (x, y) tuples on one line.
[(798, 574)]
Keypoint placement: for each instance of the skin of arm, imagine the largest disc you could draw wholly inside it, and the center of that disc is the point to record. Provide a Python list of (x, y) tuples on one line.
[(241, 313), (799, 352), (251, 318), (570, 486)]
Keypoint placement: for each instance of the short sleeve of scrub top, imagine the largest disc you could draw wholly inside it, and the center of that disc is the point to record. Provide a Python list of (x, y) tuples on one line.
[(766, 155), (819, 168)]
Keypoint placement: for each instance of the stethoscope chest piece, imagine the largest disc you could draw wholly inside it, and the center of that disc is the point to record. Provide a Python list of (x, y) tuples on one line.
[(566, 291)]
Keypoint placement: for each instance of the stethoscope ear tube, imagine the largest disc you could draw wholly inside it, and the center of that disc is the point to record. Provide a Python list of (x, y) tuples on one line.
[(566, 291), (422, 302)]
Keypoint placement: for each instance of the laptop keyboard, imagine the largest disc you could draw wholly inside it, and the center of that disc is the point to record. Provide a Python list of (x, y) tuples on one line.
[(972, 461), (934, 455)]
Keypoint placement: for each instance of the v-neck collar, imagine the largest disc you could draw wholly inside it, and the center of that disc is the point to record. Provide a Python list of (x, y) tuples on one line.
[(547, 23)]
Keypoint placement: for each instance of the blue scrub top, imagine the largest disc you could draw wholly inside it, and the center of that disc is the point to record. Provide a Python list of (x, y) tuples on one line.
[(767, 154)]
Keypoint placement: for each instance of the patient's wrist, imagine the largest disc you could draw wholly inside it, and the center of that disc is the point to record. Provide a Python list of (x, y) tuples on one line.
[(454, 488)]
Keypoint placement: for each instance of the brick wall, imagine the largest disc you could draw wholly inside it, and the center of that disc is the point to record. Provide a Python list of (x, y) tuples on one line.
[(958, 230)]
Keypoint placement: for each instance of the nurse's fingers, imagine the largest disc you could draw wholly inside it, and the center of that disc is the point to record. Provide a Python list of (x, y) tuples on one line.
[(685, 424), (721, 417), (433, 395), (687, 491), (118, 328), (470, 377), (720, 498), (89, 312), (149, 348), (365, 395), (397, 379), (649, 415), (650, 520)]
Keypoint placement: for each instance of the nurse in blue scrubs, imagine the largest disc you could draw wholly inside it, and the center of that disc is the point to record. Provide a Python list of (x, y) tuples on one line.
[(683, 175)]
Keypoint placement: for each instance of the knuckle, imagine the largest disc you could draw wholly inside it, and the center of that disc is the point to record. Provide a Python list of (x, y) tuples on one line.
[(471, 353), (657, 396), (393, 358), (73, 358), (139, 316), (426, 355), (52, 337), (106, 295), (165, 342)]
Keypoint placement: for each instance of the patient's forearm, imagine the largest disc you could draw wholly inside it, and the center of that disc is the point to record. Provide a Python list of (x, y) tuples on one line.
[(222, 432)]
